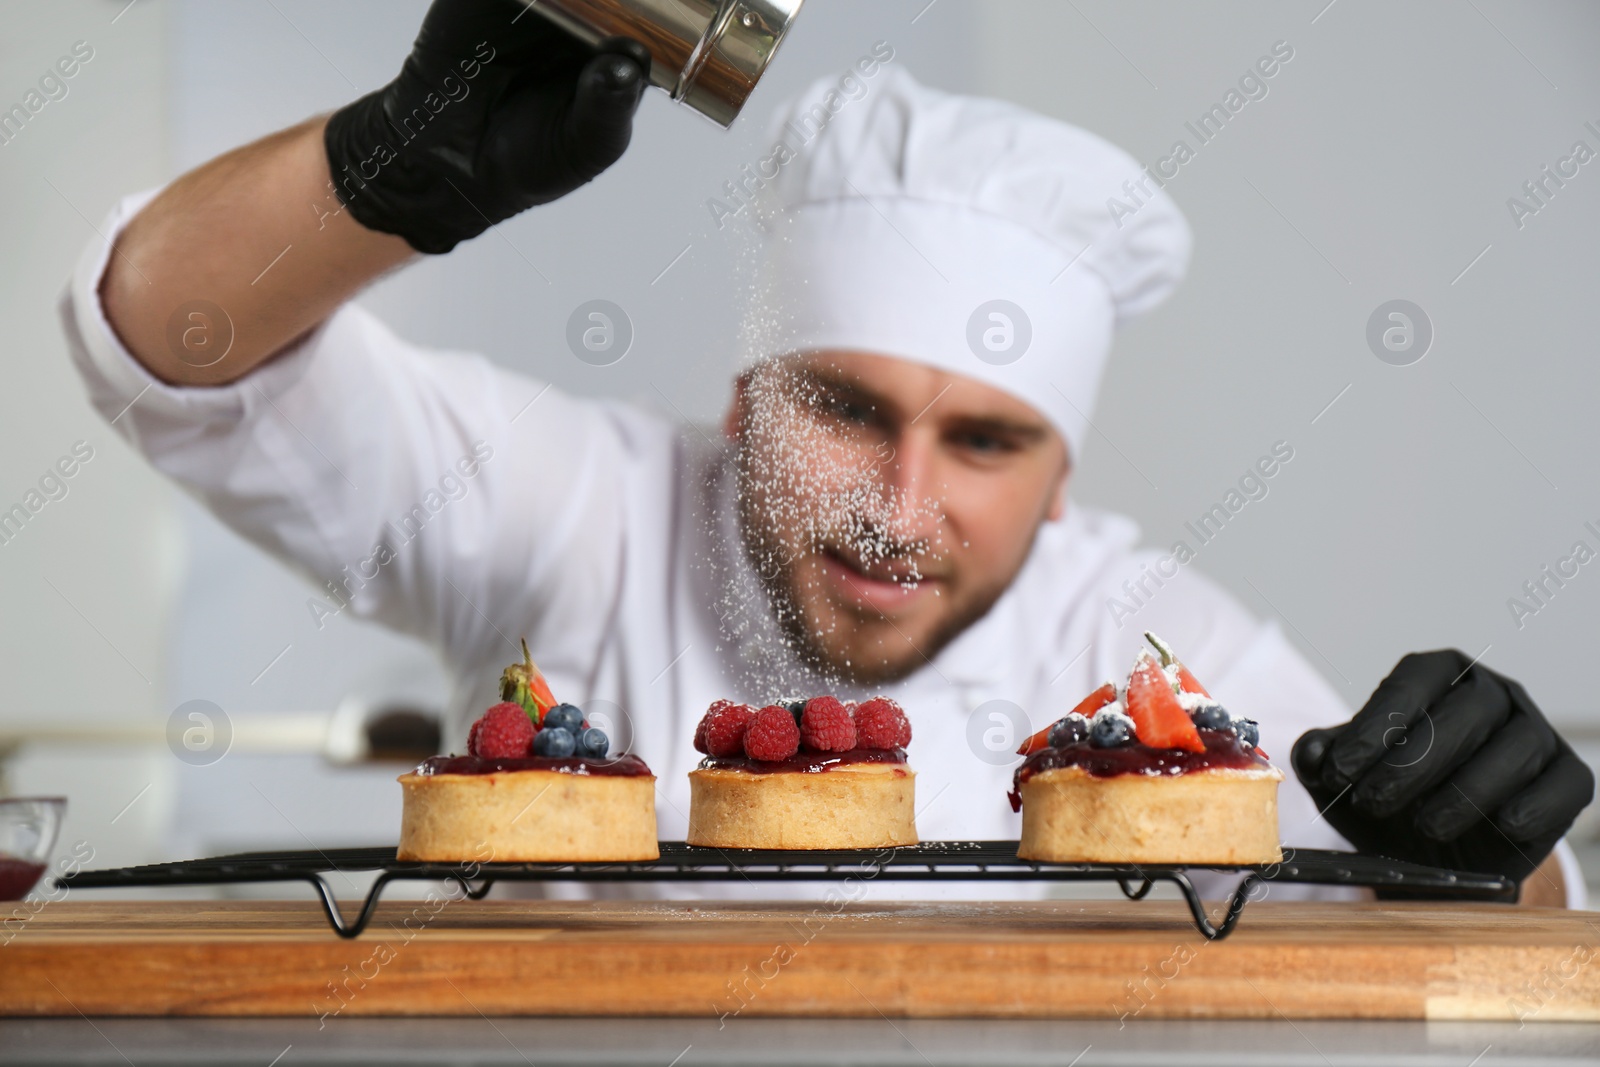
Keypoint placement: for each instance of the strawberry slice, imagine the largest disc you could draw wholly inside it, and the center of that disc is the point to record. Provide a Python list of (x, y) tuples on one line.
[(539, 689), (1096, 700), (1086, 707), (1158, 718), (1189, 683), (1036, 742)]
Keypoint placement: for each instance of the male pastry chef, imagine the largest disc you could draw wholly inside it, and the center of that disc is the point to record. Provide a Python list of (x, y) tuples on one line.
[(885, 509)]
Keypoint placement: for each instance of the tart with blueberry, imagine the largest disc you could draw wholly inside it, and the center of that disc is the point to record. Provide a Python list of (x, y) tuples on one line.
[(538, 784), (1155, 771), (803, 774)]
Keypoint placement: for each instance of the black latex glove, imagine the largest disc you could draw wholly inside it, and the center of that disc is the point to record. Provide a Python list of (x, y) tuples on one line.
[(495, 110), (1448, 764)]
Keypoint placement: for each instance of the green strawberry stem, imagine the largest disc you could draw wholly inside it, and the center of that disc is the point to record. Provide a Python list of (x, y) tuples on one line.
[(515, 687), (1167, 657)]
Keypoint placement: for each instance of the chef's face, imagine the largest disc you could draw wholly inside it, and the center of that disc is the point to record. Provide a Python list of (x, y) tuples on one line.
[(886, 504)]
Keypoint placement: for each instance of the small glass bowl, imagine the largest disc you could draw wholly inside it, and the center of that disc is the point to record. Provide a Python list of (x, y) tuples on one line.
[(28, 830)]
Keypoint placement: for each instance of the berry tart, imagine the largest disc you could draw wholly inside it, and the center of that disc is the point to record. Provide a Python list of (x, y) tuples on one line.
[(538, 784), (1154, 772), (802, 774)]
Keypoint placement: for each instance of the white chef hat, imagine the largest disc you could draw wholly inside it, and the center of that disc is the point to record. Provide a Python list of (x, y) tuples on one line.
[(965, 233)]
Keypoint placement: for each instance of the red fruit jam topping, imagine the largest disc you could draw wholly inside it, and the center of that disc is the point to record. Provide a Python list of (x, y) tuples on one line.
[(805, 762), (615, 766), (1222, 748)]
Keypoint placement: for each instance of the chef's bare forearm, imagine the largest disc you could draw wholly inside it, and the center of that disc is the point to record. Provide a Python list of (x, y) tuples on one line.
[(257, 233), (1546, 887)]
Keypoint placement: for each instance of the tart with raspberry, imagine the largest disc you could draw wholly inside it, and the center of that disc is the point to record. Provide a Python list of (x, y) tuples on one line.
[(538, 784), (803, 774), (1154, 771)]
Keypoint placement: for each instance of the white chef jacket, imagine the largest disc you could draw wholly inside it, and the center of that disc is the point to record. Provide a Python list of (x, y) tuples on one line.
[(605, 536)]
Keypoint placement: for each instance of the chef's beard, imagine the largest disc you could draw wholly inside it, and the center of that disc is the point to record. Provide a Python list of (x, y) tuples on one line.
[(777, 552)]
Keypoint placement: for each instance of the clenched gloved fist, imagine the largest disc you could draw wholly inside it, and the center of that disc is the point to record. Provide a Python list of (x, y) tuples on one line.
[(1448, 764), (495, 110)]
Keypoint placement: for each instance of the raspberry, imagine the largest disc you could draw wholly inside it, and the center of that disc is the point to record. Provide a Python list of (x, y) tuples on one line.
[(826, 726), (502, 732), (880, 723), (772, 734), (725, 724), (717, 707)]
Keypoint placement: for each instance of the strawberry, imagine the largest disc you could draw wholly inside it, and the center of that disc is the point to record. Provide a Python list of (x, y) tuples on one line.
[(539, 689), (825, 726), (1158, 718), (502, 732), (1086, 707), (772, 734), (522, 683)]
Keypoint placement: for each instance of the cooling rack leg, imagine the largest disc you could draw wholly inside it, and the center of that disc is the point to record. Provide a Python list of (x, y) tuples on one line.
[(330, 907), (1135, 894), (478, 893), (1236, 903), (1202, 922)]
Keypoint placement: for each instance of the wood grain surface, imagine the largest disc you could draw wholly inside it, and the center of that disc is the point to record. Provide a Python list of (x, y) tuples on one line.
[(1001, 960)]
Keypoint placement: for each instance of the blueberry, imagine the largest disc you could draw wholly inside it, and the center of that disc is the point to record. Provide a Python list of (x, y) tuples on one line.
[(1211, 717), (554, 741), (593, 743), (1108, 730), (1068, 730), (1248, 731), (795, 708), (564, 716)]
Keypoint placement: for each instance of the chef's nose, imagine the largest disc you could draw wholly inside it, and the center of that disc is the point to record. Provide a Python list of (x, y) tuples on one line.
[(909, 490)]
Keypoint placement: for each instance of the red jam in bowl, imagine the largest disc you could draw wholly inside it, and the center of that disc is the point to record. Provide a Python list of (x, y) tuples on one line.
[(17, 877)]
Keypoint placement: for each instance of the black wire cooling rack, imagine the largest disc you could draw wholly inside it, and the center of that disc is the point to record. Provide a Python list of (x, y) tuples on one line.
[(930, 861)]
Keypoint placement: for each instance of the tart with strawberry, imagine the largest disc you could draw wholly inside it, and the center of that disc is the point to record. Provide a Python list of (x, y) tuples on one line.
[(1153, 771), (803, 774), (538, 784)]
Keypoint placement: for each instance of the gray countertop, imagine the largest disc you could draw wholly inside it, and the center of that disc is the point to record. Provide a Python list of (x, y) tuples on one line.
[(552, 1042)]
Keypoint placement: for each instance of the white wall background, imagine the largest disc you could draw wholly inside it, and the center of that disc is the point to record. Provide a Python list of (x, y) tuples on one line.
[(86, 584), (1377, 167), (88, 588)]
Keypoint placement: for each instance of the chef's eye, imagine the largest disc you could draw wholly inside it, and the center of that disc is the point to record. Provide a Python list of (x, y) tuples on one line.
[(845, 410), (986, 443)]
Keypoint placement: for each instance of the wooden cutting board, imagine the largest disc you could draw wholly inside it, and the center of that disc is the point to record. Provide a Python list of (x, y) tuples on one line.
[(1038, 959)]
